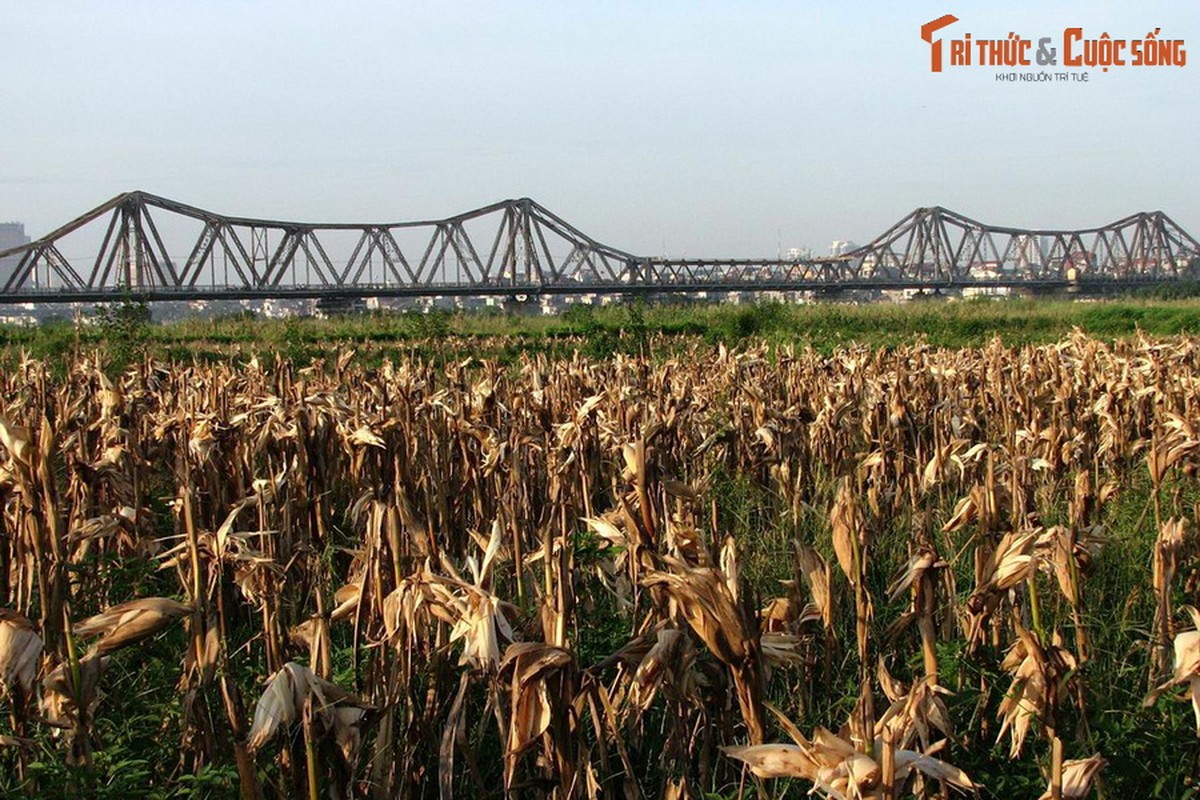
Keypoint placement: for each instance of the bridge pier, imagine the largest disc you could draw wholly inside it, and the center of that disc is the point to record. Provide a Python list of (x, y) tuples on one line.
[(1046, 292), (341, 306), (522, 305)]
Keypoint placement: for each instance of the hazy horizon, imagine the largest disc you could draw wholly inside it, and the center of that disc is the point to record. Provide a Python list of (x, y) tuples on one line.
[(699, 129)]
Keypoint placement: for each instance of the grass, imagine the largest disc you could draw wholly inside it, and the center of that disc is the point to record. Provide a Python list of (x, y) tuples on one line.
[(601, 331)]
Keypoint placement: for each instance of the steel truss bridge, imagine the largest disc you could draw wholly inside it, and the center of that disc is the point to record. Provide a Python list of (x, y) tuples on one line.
[(145, 247)]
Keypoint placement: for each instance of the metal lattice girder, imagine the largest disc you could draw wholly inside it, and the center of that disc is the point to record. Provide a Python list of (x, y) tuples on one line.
[(158, 249), (939, 244)]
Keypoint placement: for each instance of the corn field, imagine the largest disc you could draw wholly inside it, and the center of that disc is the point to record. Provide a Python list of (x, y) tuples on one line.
[(871, 574)]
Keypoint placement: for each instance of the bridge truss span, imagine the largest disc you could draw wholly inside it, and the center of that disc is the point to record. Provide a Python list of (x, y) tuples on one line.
[(495, 249), (148, 247), (942, 246)]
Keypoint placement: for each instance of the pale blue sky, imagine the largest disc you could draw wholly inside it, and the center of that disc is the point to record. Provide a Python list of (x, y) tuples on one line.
[(697, 128)]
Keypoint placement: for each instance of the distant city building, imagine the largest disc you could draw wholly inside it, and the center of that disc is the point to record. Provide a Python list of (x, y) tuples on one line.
[(840, 248), (12, 234)]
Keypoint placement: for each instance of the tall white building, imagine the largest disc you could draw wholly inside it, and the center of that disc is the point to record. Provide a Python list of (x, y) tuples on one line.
[(12, 234)]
